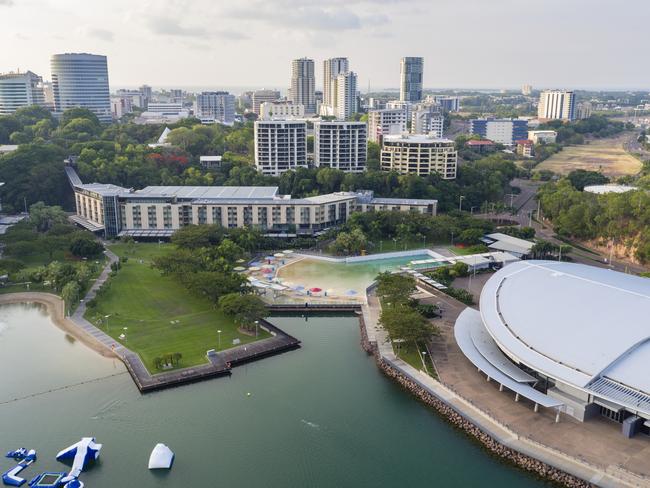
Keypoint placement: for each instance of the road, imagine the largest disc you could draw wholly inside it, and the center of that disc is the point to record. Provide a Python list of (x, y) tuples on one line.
[(526, 204)]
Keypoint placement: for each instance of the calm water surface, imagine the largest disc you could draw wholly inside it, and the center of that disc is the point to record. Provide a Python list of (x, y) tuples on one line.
[(322, 416)]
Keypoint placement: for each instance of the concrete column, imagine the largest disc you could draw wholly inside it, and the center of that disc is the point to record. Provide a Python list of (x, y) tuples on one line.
[(488, 379), (500, 387), (557, 416), (536, 408), (517, 397)]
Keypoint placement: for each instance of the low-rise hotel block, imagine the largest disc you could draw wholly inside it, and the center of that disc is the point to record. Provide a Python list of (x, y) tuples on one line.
[(158, 211)]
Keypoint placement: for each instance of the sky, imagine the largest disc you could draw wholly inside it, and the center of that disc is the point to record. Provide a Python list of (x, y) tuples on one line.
[(250, 43)]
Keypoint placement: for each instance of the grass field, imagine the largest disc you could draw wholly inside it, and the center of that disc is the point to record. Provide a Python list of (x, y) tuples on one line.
[(605, 155), (161, 317), (413, 356), (466, 251)]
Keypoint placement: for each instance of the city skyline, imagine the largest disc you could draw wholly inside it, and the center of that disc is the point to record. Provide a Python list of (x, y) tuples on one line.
[(144, 41)]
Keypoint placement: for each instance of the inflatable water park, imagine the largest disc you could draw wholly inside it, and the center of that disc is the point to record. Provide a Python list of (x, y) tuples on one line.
[(81, 455)]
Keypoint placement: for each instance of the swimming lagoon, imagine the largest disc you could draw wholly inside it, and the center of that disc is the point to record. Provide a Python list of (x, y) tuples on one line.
[(340, 277)]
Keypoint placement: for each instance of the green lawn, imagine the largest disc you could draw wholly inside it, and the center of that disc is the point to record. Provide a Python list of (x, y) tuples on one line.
[(388, 245), (411, 355), (464, 251), (160, 315)]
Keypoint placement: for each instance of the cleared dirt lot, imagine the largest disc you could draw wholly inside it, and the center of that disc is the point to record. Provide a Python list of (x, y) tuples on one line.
[(605, 155)]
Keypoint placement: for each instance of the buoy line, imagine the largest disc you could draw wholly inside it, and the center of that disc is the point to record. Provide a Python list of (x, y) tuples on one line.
[(45, 392)]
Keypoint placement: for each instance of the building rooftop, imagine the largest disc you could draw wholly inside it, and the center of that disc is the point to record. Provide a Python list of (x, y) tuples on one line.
[(504, 242), (603, 189), (208, 192), (103, 189), (417, 139), (474, 142), (585, 326), (402, 201)]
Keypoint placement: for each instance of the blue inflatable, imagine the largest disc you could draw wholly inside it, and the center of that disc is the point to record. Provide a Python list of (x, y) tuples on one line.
[(26, 458), (47, 480)]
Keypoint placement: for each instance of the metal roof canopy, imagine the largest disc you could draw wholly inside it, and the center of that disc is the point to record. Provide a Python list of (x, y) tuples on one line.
[(581, 325), (469, 319)]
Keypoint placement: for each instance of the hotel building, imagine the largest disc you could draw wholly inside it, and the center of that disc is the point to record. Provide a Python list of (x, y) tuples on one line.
[(158, 211)]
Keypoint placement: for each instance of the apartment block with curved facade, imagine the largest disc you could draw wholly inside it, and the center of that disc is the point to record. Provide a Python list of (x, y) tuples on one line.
[(81, 80), (419, 154)]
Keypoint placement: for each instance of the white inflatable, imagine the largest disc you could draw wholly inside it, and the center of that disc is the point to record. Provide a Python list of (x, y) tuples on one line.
[(161, 457), (81, 453)]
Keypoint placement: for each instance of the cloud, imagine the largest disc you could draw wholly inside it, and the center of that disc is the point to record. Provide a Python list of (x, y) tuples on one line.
[(103, 34), (168, 27), (299, 17), (6, 3)]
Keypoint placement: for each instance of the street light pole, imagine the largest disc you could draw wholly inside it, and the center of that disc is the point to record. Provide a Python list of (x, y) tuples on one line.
[(257, 323), (219, 340), (460, 203)]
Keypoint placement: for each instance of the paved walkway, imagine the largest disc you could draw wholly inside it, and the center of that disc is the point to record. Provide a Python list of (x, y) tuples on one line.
[(606, 476)]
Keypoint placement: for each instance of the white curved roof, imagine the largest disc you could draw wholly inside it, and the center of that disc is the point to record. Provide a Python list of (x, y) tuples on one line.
[(572, 322)]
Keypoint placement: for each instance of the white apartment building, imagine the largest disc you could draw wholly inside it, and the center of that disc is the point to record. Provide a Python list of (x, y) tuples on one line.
[(281, 110), (280, 145), (20, 90), (262, 96), (81, 80), (332, 68), (401, 105), (303, 84), (341, 145), (346, 93), (446, 103), (385, 122), (545, 136), (583, 110), (162, 113), (136, 97), (120, 106), (556, 105), (427, 119), (420, 155), (215, 107), (526, 90)]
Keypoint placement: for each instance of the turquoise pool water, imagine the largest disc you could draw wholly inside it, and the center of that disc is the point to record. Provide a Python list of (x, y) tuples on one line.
[(341, 277)]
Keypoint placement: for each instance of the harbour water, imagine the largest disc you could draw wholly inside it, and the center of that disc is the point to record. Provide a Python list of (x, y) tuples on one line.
[(321, 416)]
